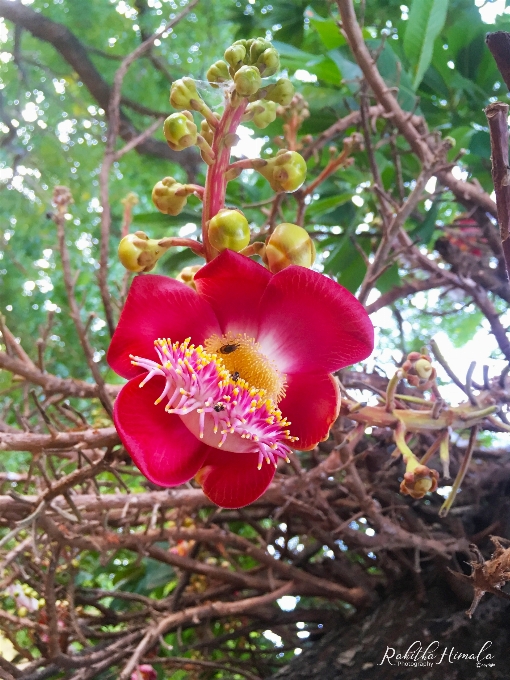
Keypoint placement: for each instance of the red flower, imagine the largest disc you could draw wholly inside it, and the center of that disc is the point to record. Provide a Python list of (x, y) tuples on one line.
[(256, 378)]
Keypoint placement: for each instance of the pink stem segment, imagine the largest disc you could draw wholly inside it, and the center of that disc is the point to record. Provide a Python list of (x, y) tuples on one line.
[(216, 183)]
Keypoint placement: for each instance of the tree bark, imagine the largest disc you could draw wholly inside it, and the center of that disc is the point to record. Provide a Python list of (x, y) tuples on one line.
[(356, 649)]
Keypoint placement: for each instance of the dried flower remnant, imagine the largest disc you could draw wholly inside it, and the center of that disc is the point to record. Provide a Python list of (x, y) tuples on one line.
[(488, 576)]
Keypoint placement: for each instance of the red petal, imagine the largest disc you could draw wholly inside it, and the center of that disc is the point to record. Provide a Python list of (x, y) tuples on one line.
[(161, 446), (311, 405), (310, 324), (233, 285), (232, 480), (158, 307)]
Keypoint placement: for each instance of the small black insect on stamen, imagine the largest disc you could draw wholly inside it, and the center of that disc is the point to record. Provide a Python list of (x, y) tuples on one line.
[(219, 407), (228, 349), (235, 376)]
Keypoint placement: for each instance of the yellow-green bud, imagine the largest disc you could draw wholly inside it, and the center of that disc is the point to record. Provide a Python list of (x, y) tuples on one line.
[(423, 368), (206, 132), (229, 229), (187, 275), (169, 196), (218, 73), (261, 112), (281, 93), (247, 81), (285, 172), (257, 46), (180, 131), (182, 92), (138, 252), (289, 244), (235, 54), (268, 62)]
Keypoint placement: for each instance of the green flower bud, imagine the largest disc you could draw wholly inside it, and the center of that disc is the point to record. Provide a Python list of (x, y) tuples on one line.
[(180, 131), (169, 196), (229, 229), (139, 253), (281, 93), (218, 73), (269, 62), (235, 54), (182, 92), (247, 81), (289, 244), (257, 46), (285, 172), (261, 112)]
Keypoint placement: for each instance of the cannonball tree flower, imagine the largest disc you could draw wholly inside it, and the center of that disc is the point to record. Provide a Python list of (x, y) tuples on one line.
[(225, 379)]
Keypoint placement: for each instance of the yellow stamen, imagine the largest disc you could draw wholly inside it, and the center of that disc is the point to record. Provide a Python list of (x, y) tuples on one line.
[(243, 358)]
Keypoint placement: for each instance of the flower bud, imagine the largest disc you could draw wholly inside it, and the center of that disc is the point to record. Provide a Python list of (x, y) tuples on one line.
[(285, 172), (423, 368), (418, 370), (262, 113), (139, 253), (206, 132), (420, 481), (229, 229), (169, 196), (187, 275), (289, 244), (218, 73), (258, 46), (247, 81), (281, 93), (144, 672), (268, 62), (182, 92), (235, 54), (180, 131)]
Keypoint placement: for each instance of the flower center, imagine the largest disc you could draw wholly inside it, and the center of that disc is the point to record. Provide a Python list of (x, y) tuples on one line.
[(242, 357), (216, 401)]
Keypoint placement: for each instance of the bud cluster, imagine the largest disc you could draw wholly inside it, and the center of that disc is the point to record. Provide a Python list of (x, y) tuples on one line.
[(249, 96)]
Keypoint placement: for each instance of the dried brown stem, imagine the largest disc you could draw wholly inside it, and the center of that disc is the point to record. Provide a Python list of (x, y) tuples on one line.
[(497, 117)]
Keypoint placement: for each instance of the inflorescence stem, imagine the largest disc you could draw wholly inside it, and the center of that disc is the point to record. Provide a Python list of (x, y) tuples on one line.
[(216, 181)]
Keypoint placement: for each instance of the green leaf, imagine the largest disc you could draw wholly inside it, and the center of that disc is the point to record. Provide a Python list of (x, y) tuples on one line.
[(326, 205), (328, 32), (389, 279), (159, 220), (423, 232), (426, 20)]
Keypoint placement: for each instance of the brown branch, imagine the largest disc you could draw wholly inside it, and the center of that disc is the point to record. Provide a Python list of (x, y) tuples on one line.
[(499, 45), (31, 441), (465, 192), (497, 117), (401, 292), (52, 384), (61, 198), (214, 609)]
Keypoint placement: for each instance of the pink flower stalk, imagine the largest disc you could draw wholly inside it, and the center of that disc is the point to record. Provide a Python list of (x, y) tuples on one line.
[(232, 375)]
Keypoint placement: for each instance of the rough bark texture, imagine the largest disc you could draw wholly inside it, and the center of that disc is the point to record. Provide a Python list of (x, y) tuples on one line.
[(356, 649)]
